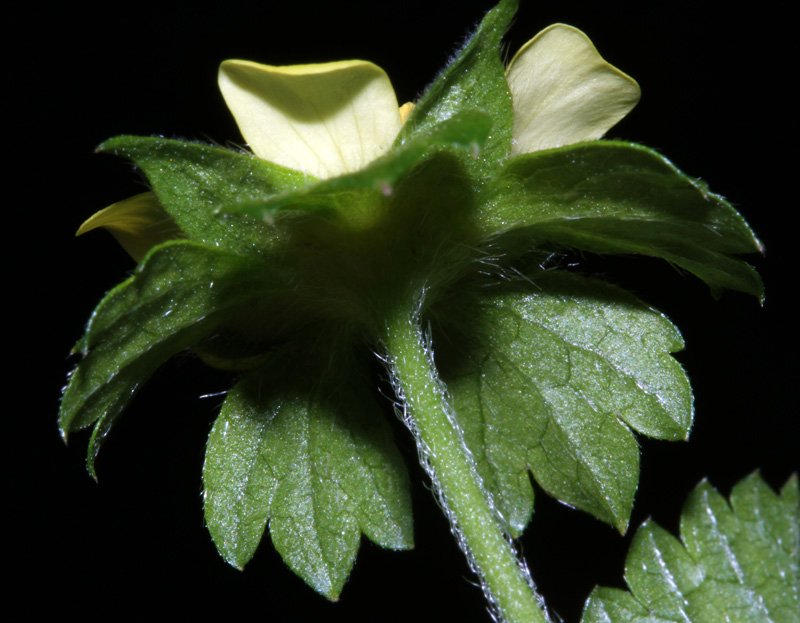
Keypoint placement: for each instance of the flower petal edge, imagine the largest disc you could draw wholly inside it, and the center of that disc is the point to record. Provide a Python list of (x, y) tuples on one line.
[(564, 92), (324, 119), (137, 223)]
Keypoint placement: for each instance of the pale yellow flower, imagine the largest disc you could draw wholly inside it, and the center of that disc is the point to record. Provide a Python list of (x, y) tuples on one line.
[(330, 119), (334, 118)]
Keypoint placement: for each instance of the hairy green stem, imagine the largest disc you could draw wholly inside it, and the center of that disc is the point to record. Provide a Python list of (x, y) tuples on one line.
[(504, 577)]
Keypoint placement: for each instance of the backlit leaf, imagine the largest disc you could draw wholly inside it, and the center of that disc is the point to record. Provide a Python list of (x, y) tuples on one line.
[(194, 182), (555, 380), (312, 459), (177, 296), (613, 197), (737, 562), (474, 80)]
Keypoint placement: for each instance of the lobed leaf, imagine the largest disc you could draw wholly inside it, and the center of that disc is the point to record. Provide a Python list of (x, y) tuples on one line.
[(177, 296), (316, 462), (194, 182), (474, 80), (737, 562), (553, 384), (614, 197)]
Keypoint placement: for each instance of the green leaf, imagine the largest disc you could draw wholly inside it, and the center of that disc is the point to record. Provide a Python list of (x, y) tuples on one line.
[(178, 295), (474, 80), (315, 460), (614, 197), (466, 130), (553, 384), (194, 182), (737, 562)]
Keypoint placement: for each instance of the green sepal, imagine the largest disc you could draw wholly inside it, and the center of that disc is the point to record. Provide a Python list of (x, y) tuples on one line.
[(311, 456), (616, 197), (474, 80), (177, 296), (551, 379), (194, 182), (737, 562), (465, 131)]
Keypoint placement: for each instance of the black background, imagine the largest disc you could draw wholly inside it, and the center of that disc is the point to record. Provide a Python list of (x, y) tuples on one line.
[(715, 100)]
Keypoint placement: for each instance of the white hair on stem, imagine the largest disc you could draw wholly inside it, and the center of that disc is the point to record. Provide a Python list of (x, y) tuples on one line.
[(403, 410)]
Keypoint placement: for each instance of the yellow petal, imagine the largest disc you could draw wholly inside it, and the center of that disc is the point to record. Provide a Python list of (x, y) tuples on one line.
[(325, 119), (138, 224), (564, 92)]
